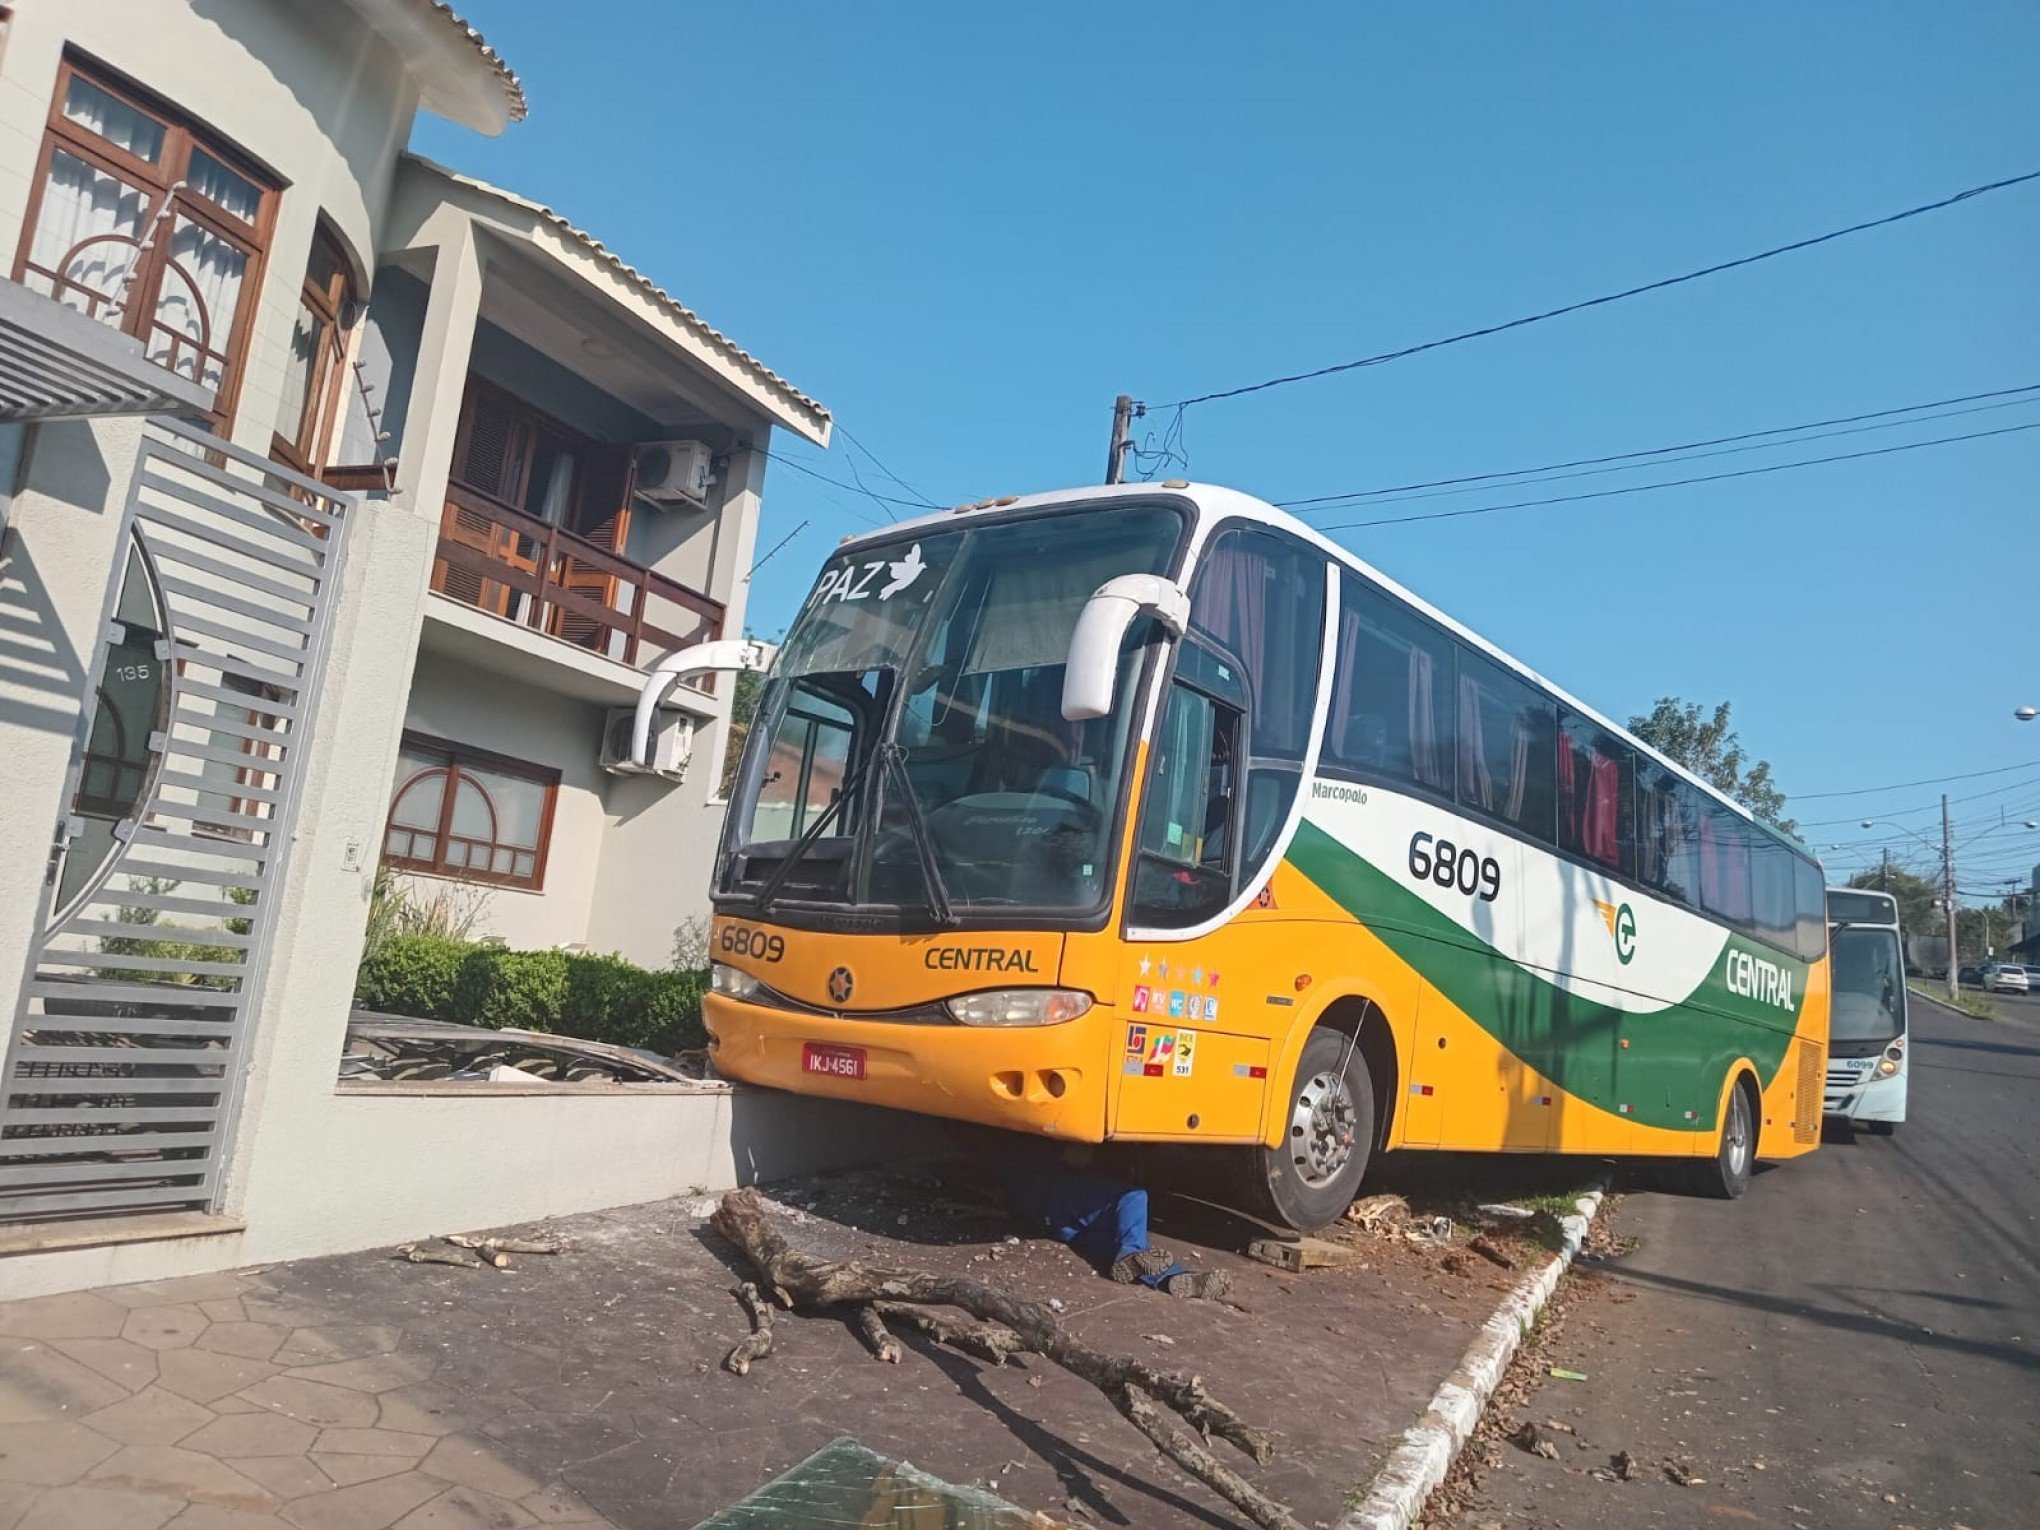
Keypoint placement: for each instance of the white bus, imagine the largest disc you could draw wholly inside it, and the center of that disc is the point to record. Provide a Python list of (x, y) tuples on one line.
[(1867, 1025)]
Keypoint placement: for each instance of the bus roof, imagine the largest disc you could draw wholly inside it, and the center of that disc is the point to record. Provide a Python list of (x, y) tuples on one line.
[(1213, 503)]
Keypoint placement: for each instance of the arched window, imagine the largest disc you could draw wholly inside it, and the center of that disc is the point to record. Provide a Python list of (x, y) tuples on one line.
[(461, 812), (327, 308)]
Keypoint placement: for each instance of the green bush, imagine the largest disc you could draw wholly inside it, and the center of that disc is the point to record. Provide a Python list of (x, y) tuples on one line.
[(510, 990), (411, 975), (598, 998)]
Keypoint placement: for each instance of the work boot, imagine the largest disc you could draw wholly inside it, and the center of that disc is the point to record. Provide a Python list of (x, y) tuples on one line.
[(1128, 1268), (1208, 1284)]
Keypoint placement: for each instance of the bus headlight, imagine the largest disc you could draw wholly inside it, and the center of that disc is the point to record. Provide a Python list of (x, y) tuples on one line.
[(1019, 1006), (1889, 1063), (731, 982)]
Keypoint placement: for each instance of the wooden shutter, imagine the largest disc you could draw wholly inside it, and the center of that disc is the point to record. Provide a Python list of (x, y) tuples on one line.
[(602, 516)]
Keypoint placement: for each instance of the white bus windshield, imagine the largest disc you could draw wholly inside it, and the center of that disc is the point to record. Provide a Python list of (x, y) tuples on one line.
[(917, 705), (1868, 1009)]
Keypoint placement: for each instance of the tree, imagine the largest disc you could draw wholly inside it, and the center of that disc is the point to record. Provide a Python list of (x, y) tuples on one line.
[(1919, 898), (1711, 749), (749, 685)]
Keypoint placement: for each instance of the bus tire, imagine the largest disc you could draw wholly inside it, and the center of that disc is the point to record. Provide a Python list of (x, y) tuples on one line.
[(1880, 1128), (1313, 1174), (1726, 1175)]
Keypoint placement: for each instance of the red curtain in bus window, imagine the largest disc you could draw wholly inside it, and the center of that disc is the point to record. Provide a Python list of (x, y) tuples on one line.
[(1599, 835)]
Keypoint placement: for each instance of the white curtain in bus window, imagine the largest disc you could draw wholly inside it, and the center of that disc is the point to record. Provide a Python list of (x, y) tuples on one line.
[(1037, 590), (1506, 746), (1391, 702)]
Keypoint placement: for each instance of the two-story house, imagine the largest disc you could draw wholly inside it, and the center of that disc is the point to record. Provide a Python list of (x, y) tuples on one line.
[(344, 500)]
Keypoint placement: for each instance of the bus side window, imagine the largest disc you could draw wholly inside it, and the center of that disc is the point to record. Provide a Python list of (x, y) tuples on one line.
[(1811, 889), (1188, 833)]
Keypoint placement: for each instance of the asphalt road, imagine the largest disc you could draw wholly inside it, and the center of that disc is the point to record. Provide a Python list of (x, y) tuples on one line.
[(1855, 1343)]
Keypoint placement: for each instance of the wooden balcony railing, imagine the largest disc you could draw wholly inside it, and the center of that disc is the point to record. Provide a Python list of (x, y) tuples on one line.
[(498, 559)]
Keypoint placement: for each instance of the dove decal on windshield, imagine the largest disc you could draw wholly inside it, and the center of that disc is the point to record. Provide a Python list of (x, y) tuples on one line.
[(904, 573), (854, 581)]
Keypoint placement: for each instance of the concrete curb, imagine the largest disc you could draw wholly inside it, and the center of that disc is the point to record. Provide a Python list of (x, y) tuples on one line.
[(1419, 1463)]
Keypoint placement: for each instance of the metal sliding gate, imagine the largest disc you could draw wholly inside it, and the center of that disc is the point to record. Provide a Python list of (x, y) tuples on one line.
[(129, 1041)]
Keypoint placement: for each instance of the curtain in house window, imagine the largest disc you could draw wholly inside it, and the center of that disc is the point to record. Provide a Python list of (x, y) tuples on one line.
[(87, 236), (120, 124), (195, 310)]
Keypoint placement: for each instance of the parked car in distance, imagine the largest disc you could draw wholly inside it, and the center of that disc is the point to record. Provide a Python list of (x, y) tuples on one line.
[(1971, 974), (2005, 977)]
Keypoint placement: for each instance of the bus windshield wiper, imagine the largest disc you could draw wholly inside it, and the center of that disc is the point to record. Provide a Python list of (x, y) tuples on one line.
[(893, 760), (762, 900)]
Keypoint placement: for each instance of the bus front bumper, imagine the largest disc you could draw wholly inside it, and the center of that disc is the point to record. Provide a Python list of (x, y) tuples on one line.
[(1046, 1080), (1855, 1092)]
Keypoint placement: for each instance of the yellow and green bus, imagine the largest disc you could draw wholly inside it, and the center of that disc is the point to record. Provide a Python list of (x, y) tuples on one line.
[(1147, 814)]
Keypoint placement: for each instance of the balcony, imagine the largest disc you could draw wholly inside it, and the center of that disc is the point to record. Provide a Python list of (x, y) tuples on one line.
[(500, 560)]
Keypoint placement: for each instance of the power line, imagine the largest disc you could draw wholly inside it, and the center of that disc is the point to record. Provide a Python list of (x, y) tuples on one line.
[(1865, 791), (1471, 482), (1676, 483), (1611, 297), (880, 465), (1934, 807), (852, 488)]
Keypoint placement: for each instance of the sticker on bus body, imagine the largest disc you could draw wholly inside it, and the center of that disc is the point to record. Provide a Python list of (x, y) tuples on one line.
[(1186, 1052), (1142, 994)]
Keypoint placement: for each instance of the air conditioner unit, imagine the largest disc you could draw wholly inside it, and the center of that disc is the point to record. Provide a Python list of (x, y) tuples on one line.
[(674, 472), (672, 744)]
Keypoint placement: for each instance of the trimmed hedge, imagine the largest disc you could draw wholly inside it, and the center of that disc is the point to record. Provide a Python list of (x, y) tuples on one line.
[(598, 998)]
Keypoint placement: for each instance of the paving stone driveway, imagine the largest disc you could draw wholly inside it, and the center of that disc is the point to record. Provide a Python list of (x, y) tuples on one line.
[(218, 1403)]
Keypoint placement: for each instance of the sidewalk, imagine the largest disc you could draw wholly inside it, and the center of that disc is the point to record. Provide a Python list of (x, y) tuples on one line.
[(361, 1392)]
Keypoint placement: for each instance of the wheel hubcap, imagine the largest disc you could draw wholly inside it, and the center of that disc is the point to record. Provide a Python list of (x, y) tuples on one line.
[(1322, 1128), (1739, 1134)]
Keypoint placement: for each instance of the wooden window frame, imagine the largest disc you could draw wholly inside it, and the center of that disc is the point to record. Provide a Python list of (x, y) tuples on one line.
[(457, 757), (336, 307), (168, 199)]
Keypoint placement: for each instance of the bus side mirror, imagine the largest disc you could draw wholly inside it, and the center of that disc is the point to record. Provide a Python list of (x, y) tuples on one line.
[(1092, 670), (727, 655)]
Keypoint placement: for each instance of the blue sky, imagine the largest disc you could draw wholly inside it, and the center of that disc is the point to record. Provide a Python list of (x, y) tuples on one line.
[(966, 228)]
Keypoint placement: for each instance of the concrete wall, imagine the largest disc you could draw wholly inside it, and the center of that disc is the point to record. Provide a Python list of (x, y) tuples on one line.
[(355, 1171), (542, 728)]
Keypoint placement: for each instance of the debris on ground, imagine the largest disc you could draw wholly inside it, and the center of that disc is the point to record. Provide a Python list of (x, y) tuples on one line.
[(756, 1344), (1624, 1465), (1491, 1251), (1680, 1472), (417, 1253), (1157, 1403), (1560, 1373), (1379, 1213), (1298, 1254), (1530, 1438)]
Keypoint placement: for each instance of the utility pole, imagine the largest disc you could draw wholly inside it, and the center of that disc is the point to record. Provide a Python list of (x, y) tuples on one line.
[(1884, 876), (1122, 439), (1948, 892)]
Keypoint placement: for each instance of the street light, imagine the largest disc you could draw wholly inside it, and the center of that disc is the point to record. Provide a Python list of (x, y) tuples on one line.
[(2027, 714)]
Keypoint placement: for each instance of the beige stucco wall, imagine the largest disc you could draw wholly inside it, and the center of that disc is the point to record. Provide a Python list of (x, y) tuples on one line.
[(541, 728), (304, 87)]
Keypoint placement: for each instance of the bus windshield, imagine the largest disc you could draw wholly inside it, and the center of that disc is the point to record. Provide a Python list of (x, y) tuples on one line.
[(909, 748), (1868, 1009)]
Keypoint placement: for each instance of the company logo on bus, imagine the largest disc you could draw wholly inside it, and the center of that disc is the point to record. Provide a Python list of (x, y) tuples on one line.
[(1621, 921), (841, 985)]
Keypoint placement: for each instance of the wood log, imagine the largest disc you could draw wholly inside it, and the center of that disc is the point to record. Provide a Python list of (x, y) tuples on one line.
[(988, 1341), (756, 1344), (1140, 1392), (871, 1327)]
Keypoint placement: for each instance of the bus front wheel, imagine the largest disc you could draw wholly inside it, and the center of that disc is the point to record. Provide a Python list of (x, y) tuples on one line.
[(1312, 1175), (1727, 1174)]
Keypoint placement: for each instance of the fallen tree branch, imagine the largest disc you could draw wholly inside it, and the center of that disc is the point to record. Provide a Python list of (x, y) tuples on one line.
[(756, 1344), (412, 1253), (1138, 1391), (988, 1341), (871, 1328)]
